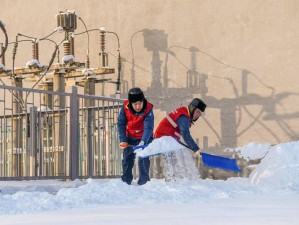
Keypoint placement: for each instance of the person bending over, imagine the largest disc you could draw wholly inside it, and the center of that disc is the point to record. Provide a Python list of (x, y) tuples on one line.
[(177, 123), (135, 127)]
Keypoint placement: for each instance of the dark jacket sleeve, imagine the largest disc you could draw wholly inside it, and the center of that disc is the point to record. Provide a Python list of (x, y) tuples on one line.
[(148, 127), (184, 126), (122, 125)]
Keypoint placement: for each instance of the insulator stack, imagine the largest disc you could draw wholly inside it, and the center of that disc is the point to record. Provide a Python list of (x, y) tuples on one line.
[(67, 48), (193, 55), (72, 44), (103, 55), (67, 20), (102, 41), (3, 56), (87, 62), (119, 61), (35, 53), (103, 59)]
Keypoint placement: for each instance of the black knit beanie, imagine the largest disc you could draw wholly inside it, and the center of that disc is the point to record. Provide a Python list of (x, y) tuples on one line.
[(135, 95)]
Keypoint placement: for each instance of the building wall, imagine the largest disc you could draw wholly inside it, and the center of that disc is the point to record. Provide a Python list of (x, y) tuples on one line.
[(239, 56)]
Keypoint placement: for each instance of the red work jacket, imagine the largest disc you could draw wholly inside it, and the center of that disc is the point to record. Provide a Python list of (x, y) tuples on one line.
[(169, 127), (135, 124)]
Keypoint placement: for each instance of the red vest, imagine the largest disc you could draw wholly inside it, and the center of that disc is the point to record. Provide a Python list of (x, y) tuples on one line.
[(135, 124), (169, 127)]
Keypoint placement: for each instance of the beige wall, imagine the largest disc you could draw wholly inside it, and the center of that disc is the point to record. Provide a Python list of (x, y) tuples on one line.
[(244, 54)]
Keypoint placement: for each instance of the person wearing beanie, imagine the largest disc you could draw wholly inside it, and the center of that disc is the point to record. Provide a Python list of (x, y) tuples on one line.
[(135, 127), (177, 123)]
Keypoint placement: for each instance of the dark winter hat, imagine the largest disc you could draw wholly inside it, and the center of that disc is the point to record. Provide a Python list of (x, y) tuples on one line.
[(135, 95), (197, 103)]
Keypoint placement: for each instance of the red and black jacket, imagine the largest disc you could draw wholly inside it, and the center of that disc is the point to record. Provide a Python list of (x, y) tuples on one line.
[(169, 127)]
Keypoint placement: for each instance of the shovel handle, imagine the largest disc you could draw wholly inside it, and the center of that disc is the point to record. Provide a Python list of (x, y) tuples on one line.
[(135, 148)]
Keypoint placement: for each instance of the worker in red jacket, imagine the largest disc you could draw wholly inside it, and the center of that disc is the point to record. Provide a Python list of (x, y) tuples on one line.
[(135, 127), (177, 123)]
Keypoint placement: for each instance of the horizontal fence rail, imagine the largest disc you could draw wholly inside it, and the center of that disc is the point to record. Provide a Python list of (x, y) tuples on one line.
[(57, 135)]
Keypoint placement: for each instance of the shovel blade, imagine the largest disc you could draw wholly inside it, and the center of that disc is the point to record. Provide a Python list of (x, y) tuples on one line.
[(220, 162)]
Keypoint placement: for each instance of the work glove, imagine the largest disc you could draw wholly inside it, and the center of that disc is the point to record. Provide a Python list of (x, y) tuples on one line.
[(197, 152), (141, 143), (123, 145)]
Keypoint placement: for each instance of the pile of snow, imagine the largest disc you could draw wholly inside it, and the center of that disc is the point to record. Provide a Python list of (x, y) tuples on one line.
[(160, 145), (275, 177), (68, 59), (279, 165), (279, 168), (34, 63), (254, 151), (251, 151)]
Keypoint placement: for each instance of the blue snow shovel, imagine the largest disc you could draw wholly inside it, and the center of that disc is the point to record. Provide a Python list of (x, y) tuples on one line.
[(220, 162), (135, 148), (209, 160), (216, 161)]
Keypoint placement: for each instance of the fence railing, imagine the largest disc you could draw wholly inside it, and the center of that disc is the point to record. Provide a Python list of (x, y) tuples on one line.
[(57, 135)]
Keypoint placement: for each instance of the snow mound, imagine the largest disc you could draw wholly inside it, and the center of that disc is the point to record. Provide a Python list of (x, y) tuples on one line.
[(251, 151), (279, 168), (254, 150), (160, 145)]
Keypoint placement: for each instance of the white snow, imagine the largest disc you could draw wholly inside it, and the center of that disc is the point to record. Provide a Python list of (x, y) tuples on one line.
[(60, 28), (269, 196), (68, 58), (103, 29), (252, 150), (280, 167), (34, 63), (2, 68), (160, 145)]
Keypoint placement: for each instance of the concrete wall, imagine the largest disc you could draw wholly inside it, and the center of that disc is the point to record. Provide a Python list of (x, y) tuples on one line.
[(240, 56)]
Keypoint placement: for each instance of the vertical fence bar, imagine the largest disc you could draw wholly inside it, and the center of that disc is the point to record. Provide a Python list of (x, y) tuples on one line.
[(74, 137), (89, 141), (33, 142), (41, 151)]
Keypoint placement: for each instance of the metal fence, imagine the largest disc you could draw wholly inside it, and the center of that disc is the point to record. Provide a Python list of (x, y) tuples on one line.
[(57, 135)]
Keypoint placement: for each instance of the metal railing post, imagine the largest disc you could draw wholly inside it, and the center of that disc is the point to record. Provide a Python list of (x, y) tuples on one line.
[(33, 142), (89, 142), (74, 133)]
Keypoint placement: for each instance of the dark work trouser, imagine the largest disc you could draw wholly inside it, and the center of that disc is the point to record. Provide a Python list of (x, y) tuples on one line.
[(128, 164)]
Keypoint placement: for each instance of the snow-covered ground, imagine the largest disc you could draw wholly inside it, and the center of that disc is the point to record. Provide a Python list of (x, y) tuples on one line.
[(269, 196)]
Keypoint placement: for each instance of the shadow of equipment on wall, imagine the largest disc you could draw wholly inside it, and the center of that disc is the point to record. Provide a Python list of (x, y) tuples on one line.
[(233, 108), (239, 111)]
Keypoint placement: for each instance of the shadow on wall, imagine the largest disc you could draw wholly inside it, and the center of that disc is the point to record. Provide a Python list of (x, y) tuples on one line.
[(234, 109)]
